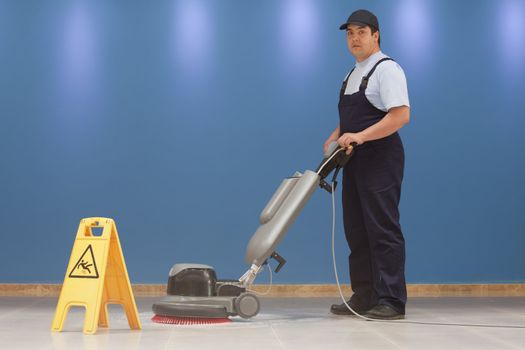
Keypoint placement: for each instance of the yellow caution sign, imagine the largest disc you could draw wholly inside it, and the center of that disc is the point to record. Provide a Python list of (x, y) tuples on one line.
[(96, 276)]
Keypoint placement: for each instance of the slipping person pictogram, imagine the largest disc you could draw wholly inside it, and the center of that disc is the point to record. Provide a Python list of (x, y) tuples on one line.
[(86, 266)]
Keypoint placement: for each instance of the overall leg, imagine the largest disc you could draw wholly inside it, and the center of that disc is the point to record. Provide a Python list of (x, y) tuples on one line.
[(379, 188), (359, 260)]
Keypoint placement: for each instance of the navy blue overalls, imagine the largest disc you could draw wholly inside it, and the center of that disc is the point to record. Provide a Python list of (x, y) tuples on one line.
[(371, 192)]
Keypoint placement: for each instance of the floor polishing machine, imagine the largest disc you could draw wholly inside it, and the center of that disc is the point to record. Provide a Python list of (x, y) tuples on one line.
[(195, 295)]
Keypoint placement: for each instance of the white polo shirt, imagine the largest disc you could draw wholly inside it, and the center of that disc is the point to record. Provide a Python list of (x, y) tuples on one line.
[(387, 86)]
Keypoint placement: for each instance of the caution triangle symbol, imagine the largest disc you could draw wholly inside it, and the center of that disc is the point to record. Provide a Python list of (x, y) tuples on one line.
[(86, 267)]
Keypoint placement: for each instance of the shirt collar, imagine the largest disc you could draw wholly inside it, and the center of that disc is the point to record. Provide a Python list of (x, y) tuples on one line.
[(372, 58)]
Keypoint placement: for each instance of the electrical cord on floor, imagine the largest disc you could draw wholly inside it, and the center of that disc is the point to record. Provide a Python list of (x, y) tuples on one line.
[(395, 321)]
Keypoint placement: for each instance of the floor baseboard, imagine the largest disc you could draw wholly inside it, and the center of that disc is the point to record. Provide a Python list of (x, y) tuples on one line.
[(295, 290)]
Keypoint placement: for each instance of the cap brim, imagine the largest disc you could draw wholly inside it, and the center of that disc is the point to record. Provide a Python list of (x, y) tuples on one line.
[(361, 24)]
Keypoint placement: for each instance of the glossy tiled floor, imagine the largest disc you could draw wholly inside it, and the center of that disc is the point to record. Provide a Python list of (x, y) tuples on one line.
[(284, 323)]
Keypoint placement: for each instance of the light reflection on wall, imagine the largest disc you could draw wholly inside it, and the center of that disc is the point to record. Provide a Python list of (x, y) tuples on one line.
[(414, 33), (193, 36), (300, 33), (3, 27), (512, 35), (79, 49)]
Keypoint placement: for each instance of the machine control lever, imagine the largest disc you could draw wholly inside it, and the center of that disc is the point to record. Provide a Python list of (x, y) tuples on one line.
[(280, 260), (326, 186)]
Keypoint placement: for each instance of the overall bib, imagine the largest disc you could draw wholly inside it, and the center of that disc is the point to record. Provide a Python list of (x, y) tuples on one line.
[(371, 192)]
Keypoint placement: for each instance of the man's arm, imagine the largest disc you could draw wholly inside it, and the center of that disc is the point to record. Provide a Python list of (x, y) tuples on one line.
[(395, 119), (391, 122)]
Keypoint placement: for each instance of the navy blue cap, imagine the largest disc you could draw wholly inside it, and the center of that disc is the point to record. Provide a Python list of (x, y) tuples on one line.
[(361, 18)]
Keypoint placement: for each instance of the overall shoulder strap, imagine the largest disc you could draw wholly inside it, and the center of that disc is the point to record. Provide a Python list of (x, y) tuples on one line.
[(345, 82), (364, 81)]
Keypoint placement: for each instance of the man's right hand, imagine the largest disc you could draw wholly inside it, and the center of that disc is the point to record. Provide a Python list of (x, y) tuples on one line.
[(328, 142), (333, 137)]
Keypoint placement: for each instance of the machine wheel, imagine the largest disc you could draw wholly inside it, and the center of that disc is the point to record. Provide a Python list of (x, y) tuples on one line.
[(247, 305)]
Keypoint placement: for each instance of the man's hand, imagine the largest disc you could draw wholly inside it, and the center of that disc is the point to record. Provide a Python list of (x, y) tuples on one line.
[(328, 142), (333, 137), (348, 138)]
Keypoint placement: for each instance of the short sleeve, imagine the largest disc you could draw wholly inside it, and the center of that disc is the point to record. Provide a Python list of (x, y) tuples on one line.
[(393, 86)]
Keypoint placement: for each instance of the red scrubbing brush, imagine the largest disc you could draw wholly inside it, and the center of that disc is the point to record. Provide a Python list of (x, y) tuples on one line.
[(188, 320)]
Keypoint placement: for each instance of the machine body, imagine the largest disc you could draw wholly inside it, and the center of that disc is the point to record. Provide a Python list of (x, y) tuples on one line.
[(194, 290)]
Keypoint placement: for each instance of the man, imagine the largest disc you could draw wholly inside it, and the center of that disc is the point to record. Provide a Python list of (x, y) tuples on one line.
[(373, 106)]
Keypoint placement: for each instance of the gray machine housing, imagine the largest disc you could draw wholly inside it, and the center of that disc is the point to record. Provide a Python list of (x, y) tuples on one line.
[(194, 291)]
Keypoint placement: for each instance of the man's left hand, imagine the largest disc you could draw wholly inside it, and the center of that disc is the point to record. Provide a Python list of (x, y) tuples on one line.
[(348, 138)]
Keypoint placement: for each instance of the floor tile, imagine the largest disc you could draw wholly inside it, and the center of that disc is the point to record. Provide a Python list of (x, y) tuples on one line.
[(283, 323)]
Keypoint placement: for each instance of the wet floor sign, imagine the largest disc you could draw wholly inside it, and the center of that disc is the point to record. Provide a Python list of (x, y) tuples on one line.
[(96, 276)]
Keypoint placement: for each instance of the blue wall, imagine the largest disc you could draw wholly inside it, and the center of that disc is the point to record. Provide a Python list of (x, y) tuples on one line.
[(179, 119)]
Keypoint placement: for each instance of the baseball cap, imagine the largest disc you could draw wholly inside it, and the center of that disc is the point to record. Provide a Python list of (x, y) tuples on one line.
[(361, 17)]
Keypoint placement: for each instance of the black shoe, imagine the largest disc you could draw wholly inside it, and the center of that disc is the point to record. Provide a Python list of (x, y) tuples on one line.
[(384, 312), (342, 309)]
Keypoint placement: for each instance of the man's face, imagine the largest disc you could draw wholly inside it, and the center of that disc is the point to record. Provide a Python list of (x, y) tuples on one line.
[(361, 42)]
